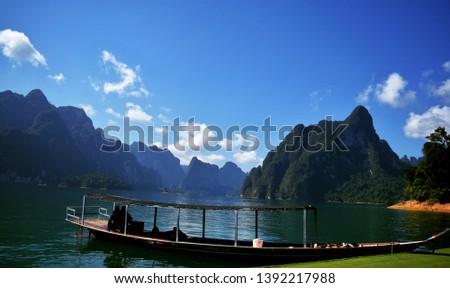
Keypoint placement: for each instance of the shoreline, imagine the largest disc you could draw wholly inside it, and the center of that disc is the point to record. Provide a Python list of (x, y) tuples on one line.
[(414, 205)]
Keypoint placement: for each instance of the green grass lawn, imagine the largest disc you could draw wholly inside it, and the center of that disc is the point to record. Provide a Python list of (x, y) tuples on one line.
[(440, 259)]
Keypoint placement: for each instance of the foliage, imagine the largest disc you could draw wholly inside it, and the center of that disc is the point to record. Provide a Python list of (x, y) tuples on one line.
[(364, 188), (40, 143), (368, 171), (95, 180), (430, 180)]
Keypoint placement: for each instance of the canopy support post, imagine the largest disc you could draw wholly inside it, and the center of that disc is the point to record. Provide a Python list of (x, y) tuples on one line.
[(178, 225), (316, 233), (235, 227), (83, 208), (304, 228), (256, 224), (203, 223), (155, 216), (125, 224)]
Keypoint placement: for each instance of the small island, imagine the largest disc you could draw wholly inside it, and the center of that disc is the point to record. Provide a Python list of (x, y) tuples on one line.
[(415, 205), (428, 184)]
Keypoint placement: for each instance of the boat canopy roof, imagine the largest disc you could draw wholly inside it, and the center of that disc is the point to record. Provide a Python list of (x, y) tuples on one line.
[(129, 201)]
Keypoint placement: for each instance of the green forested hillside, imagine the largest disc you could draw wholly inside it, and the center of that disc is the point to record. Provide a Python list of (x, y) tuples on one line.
[(95, 180), (430, 180), (352, 165)]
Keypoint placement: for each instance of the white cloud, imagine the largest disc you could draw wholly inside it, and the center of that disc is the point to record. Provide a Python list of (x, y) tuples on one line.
[(212, 158), (443, 90), (314, 100), (195, 138), (191, 137), (110, 111), (422, 125), (157, 144), (161, 130), (446, 66), (364, 96), (233, 144), (112, 122), (186, 156), (138, 93), (245, 158), (130, 83), (94, 84), (18, 48), (166, 109), (59, 78), (136, 113), (192, 140), (316, 97), (144, 91), (392, 91), (427, 73), (164, 119), (88, 109)]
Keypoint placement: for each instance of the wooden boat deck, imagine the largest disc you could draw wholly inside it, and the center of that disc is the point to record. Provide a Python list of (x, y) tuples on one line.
[(102, 225), (97, 223)]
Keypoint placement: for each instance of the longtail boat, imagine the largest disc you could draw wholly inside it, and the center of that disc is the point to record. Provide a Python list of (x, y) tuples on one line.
[(118, 226)]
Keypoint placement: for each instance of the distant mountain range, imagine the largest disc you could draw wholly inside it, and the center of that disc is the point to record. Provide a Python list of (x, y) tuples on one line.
[(411, 161), (199, 177), (43, 143), (342, 161), (204, 177)]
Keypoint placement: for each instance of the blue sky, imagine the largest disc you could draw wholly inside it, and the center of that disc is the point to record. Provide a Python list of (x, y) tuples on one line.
[(235, 63)]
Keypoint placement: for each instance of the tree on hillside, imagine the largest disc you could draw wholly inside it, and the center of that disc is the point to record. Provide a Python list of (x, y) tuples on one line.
[(430, 180), (439, 137)]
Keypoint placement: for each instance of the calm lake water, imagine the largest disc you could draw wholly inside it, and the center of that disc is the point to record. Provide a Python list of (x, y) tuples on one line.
[(35, 234)]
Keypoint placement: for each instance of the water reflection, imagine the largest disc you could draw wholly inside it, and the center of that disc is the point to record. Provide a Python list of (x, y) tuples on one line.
[(336, 222), (34, 233), (116, 255)]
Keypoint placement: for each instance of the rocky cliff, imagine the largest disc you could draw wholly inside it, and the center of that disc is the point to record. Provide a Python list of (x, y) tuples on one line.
[(161, 160), (42, 143), (205, 178), (332, 161)]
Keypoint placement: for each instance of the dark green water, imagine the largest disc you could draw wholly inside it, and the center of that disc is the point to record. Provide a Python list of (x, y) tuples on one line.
[(34, 234)]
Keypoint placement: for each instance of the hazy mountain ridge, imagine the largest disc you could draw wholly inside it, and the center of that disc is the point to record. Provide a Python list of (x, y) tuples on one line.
[(412, 161), (199, 177), (49, 143), (163, 161), (208, 178), (43, 143)]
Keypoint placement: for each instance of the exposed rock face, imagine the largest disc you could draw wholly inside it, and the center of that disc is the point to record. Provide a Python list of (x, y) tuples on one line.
[(314, 162), (411, 161), (202, 178), (39, 141), (19, 112), (207, 178), (232, 177), (161, 160)]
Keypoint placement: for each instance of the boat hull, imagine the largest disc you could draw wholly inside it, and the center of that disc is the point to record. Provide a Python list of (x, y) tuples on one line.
[(120, 227), (280, 253)]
